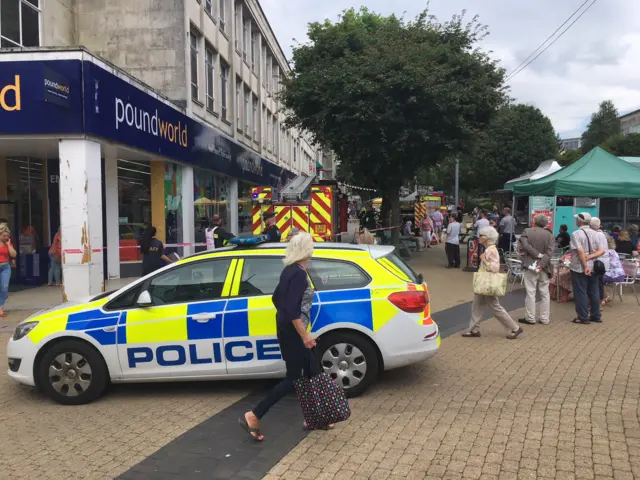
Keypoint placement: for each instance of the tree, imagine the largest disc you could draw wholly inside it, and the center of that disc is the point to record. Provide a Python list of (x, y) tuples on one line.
[(390, 96), (624, 146), (517, 140), (604, 124), (568, 157)]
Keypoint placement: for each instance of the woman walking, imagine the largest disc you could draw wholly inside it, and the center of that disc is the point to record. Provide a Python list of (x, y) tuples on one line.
[(55, 260), (7, 252), (292, 298), (491, 263), (152, 251)]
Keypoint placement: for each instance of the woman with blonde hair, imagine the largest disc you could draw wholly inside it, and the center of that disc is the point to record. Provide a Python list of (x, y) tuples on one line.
[(491, 263), (365, 237), (292, 298)]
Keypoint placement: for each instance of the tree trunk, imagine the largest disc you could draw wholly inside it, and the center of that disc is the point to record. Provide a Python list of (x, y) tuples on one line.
[(385, 209), (394, 202)]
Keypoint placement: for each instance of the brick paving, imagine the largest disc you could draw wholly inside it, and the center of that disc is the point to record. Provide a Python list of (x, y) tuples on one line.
[(561, 402)]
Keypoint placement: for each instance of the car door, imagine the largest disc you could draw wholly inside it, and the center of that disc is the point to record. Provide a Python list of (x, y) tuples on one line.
[(251, 345), (179, 333)]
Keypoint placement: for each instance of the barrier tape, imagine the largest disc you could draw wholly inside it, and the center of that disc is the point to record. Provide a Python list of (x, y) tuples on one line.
[(79, 251)]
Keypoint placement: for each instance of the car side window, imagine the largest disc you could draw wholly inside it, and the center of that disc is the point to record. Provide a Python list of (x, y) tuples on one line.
[(336, 275), (260, 276), (125, 300), (195, 281)]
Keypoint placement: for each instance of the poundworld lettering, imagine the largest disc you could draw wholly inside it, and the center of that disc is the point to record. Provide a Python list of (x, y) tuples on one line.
[(6, 102), (152, 124)]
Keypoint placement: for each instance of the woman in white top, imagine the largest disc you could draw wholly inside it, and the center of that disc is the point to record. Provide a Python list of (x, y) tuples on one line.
[(491, 263)]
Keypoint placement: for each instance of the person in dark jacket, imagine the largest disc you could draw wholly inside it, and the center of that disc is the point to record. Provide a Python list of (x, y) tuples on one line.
[(563, 239), (272, 231), (292, 298), (221, 235), (152, 251), (624, 244)]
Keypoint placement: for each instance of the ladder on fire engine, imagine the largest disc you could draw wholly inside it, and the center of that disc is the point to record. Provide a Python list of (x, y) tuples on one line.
[(294, 191)]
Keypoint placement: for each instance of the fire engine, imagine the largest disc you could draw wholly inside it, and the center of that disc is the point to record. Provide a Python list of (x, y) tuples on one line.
[(315, 207)]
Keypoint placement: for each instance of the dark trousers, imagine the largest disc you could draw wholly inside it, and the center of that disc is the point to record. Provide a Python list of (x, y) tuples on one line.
[(299, 362), (505, 241), (453, 254), (586, 293), (601, 287)]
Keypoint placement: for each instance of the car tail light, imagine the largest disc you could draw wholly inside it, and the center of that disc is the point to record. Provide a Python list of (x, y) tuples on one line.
[(411, 301)]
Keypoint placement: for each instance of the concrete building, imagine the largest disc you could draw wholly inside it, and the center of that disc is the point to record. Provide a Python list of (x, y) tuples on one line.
[(571, 143), (630, 123), (169, 115)]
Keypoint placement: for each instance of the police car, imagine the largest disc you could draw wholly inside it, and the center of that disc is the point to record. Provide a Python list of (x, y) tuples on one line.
[(210, 316)]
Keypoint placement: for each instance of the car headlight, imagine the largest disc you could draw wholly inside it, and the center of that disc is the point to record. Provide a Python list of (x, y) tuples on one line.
[(23, 329)]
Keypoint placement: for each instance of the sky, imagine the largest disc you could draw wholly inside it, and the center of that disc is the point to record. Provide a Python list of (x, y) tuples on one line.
[(595, 60)]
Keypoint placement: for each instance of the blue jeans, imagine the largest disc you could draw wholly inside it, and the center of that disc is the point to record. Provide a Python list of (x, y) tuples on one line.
[(586, 293), (5, 276), (55, 270)]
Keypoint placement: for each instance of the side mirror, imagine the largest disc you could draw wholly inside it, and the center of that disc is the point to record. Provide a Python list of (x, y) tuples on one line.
[(420, 278), (144, 299)]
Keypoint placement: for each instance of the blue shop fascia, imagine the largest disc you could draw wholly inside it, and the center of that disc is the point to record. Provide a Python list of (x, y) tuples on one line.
[(50, 95)]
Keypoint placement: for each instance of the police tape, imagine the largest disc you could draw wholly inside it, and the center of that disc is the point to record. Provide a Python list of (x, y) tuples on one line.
[(79, 251)]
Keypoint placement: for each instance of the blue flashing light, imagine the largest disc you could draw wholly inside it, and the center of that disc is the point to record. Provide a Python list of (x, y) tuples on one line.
[(248, 241)]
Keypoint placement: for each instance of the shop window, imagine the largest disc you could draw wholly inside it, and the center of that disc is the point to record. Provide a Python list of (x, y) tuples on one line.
[(245, 226), (134, 206), (19, 23), (173, 207), (211, 197), (25, 188)]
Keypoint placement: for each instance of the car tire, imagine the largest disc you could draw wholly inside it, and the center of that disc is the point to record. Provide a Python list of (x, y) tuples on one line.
[(350, 359), (83, 375)]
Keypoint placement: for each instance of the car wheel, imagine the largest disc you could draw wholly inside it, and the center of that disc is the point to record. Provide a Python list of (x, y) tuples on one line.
[(350, 359), (72, 372)]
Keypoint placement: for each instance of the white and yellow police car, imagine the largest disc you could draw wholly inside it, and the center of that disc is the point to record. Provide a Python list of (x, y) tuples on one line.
[(210, 316)]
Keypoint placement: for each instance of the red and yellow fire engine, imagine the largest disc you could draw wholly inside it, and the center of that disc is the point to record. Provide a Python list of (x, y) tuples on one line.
[(312, 208)]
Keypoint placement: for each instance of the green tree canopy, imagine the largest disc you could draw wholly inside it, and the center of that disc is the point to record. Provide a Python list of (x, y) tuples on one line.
[(390, 96), (604, 124), (623, 146), (518, 139)]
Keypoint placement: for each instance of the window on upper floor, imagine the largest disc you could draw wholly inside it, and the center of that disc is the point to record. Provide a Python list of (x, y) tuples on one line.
[(263, 67), (256, 119), (19, 23), (210, 60), (268, 73), (222, 14), (274, 133), (208, 7), (247, 111), (255, 37), (194, 40), (224, 89), (238, 28), (239, 103), (269, 130), (246, 53)]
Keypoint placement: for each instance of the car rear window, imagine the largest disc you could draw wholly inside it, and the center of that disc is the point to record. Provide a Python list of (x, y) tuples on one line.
[(401, 265)]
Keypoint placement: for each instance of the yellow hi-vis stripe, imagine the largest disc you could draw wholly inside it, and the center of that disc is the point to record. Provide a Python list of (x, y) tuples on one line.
[(228, 281), (235, 286)]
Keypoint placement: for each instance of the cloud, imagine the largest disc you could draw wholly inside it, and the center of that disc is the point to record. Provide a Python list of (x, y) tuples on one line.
[(595, 60)]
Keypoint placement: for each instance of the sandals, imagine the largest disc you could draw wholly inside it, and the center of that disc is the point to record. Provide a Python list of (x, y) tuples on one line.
[(258, 437), (580, 322), (331, 426), (516, 334), (471, 334)]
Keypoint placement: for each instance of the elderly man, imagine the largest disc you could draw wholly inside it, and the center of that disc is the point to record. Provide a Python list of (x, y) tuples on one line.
[(604, 244), (537, 244), (585, 248)]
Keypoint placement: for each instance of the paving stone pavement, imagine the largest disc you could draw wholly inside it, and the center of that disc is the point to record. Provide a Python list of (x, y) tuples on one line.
[(561, 402)]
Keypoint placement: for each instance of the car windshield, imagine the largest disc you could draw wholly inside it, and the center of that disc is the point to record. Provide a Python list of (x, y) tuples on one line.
[(403, 266)]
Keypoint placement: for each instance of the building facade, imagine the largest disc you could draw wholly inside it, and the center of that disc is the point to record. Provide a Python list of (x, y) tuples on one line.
[(170, 115), (630, 123), (571, 143)]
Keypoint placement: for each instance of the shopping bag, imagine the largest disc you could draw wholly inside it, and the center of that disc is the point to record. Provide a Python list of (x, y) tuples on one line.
[(322, 401), (490, 284), (434, 239)]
